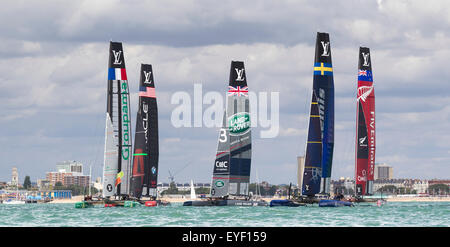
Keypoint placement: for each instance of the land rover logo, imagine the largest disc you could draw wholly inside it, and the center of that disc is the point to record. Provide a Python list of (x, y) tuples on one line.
[(239, 123), (219, 183)]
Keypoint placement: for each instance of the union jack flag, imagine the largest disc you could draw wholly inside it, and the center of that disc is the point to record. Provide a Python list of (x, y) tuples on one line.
[(239, 91), (362, 72)]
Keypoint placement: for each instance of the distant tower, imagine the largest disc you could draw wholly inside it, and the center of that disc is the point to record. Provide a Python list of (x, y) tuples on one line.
[(15, 177)]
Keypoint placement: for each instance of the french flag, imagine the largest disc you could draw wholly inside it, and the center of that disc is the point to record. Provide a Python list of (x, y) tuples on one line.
[(117, 74)]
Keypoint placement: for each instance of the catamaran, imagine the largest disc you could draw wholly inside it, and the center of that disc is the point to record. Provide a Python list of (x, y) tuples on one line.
[(231, 173), (365, 128), (316, 170), (118, 141), (146, 148)]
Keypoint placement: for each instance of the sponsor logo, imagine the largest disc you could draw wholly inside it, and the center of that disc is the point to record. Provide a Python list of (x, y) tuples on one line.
[(117, 59), (366, 59), (321, 104), (126, 125), (147, 77), (372, 143), (364, 92), (222, 164), (219, 184), (145, 120), (153, 170), (240, 74), (362, 140), (109, 187), (325, 46), (239, 123), (363, 178)]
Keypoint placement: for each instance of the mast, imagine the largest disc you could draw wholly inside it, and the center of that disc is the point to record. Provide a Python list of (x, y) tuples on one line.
[(118, 108), (146, 147), (320, 141), (365, 129)]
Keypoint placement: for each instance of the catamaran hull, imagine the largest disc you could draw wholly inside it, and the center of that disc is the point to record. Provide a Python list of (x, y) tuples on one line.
[(286, 203), (243, 203)]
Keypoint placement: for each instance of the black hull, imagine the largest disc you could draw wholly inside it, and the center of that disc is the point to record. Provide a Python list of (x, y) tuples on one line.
[(242, 203)]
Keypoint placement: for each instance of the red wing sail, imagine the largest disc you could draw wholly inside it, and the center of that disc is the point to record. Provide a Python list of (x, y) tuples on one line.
[(365, 129)]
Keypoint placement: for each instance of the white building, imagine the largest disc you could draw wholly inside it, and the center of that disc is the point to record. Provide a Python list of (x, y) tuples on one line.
[(70, 166), (421, 186)]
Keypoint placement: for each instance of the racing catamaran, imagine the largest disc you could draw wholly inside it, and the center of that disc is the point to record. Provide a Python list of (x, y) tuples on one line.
[(316, 170), (320, 142), (146, 148), (231, 173), (365, 126)]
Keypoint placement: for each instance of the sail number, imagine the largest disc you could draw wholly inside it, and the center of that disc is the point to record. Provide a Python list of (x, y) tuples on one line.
[(223, 135)]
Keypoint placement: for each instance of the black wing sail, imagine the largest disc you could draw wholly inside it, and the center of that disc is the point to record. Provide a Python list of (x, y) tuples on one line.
[(146, 147), (320, 142)]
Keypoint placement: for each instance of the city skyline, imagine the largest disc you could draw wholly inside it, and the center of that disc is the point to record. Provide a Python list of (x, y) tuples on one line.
[(53, 76)]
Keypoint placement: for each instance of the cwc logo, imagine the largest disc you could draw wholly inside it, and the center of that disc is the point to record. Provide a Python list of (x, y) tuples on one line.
[(222, 164), (219, 184), (239, 123)]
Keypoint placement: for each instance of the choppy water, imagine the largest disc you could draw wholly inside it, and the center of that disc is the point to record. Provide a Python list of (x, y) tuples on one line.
[(396, 214)]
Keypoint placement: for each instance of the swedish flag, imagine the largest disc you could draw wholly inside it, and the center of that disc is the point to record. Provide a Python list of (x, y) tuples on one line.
[(323, 69)]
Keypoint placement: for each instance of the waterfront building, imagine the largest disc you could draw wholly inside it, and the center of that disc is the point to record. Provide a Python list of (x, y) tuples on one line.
[(43, 184), (421, 186), (80, 180), (383, 171), (70, 166), (54, 177)]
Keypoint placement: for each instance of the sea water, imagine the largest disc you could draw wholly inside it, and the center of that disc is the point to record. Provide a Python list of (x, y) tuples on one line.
[(392, 214)]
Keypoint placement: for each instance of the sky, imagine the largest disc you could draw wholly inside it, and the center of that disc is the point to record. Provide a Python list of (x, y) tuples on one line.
[(53, 78)]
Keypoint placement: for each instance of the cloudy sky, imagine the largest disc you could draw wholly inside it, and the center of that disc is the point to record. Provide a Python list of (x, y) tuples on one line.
[(53, 77)]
